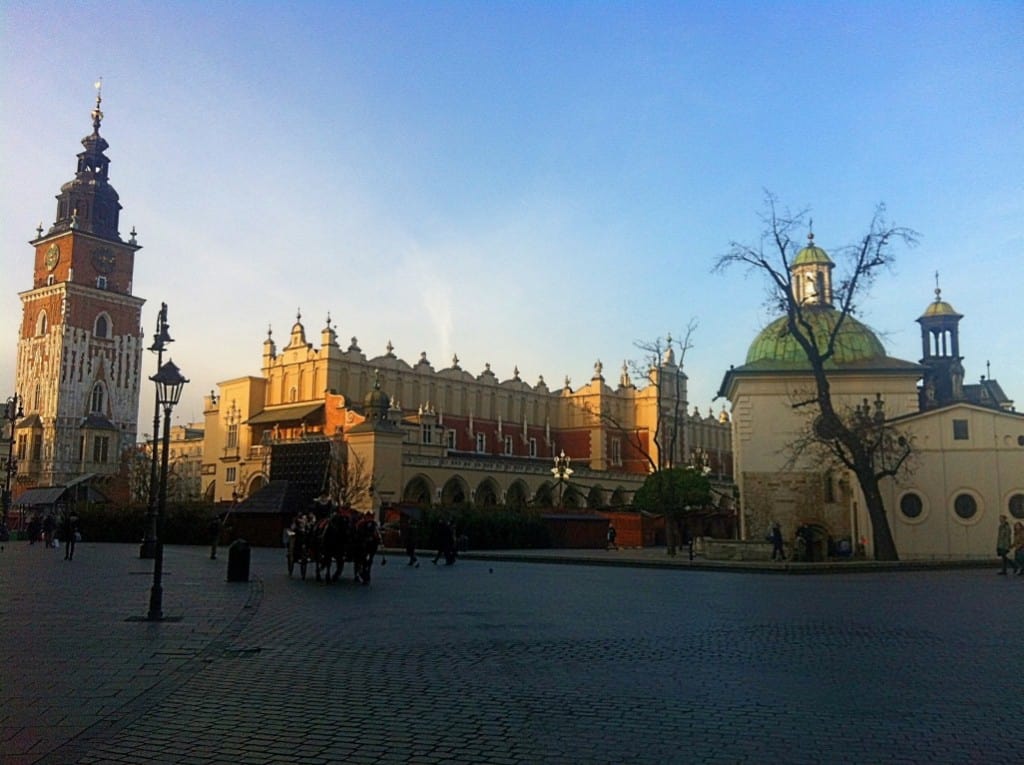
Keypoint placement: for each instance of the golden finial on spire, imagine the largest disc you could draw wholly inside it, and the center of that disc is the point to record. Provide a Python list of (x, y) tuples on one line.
[(97, 113), (938, 290)]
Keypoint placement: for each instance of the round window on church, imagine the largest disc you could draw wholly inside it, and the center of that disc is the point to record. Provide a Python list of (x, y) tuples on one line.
[(965, 506), (911, 505), (1016, 506)]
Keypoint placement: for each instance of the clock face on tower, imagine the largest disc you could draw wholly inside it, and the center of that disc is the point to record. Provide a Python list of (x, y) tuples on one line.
[(103, 260), (52, 256)]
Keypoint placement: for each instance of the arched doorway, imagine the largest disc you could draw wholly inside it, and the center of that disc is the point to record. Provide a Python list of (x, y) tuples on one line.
[(545, 496), (517, 495), (454, 492), (419, 491), (486, 494)]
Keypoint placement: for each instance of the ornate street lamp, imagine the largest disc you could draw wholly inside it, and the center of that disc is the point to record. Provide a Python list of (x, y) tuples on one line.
[(160, 341), (169, 384), (700, 460), (12, 413), (562, 472)]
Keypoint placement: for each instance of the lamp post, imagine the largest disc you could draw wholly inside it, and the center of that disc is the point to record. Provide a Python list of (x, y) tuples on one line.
[(562, 472), (160, 339), (700, 460), (169, 383), (12, 413)]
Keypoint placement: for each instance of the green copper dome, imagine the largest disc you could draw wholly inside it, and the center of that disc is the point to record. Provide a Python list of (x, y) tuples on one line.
[(812, 255), (774, 346)]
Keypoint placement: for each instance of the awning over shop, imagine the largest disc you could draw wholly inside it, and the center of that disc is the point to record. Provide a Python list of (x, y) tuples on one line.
[(76, 491), (47, 495), (293, 413), (81, 479)]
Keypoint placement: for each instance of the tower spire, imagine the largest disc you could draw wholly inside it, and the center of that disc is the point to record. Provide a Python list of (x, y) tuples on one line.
[(97, 113), (88, 202)]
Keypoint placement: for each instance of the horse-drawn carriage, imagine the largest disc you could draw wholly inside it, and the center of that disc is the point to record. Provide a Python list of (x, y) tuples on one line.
[(330, 539)]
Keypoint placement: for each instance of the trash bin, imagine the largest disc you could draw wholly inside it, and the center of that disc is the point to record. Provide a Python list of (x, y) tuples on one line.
[(238, 561)]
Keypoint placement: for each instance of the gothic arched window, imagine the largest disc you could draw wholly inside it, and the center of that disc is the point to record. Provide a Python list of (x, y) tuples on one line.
[(98, 399), (102, 326), (41, 324)]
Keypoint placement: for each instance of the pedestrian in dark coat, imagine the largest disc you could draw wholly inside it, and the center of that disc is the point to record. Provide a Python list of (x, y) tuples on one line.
[(1004, 544), (776, 539), (409, 528), (35, 530), (69, 533), (49, 526)]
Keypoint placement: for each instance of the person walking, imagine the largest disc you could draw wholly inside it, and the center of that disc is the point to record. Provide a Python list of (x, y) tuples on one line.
[(1018, 546), (35, 530), (611, 538), (49, 527), (1003, 546), (69, 533), (408, 528), (213, 529), (775, 535)]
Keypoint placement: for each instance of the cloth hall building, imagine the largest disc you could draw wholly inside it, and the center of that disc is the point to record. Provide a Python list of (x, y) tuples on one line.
[(446, 437)]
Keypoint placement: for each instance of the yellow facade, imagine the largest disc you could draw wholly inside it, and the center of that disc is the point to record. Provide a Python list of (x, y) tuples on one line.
[(968, 443), (452, 436)]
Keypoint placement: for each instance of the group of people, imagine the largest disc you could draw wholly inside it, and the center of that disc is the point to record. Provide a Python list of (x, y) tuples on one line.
[(447, 543), (46, 531), (1010, 546)]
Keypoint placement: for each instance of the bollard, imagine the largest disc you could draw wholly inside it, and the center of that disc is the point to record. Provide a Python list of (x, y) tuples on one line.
[(238, 561)]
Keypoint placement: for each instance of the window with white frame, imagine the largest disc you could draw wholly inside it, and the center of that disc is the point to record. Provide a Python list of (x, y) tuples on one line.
[(533, 447), (449, 439), (97, 399), (615, 451), (100, 448), (231, 475), (508, 445), (481, 442), (426, 434)]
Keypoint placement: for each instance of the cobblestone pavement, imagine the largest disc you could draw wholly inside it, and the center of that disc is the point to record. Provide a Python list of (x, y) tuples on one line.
[(499, 662)]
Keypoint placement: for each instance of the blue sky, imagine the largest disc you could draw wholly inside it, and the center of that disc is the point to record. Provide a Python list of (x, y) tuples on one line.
[(524, 184)]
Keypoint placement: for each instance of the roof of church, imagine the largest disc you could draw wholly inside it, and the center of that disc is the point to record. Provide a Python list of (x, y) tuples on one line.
[(812, 254), (775, 345)]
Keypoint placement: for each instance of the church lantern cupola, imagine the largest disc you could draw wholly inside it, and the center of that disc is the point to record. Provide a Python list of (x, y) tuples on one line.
[(811, 275), (940, 353)]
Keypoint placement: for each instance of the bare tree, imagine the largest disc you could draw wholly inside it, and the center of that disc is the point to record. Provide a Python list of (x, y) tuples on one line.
[(861, 440), (669, 422), (136, 464), (348, 479)]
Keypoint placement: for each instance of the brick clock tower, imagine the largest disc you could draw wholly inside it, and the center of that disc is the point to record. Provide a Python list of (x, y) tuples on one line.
[(80, 342)]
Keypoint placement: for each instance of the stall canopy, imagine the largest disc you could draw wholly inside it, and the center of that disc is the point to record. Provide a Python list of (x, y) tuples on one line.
[(292, 413)]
